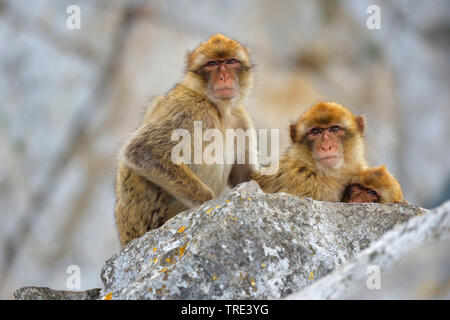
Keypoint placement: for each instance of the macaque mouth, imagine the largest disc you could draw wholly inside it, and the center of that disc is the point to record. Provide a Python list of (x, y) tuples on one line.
[(329, 161), (224, 89), (226, 92), (329, 157), (325, 158)]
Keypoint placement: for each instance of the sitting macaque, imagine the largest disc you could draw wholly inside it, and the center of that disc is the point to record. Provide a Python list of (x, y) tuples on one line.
[(374, 185), (150, 187)]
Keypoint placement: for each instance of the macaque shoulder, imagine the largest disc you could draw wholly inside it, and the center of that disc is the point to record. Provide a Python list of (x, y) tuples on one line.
[(241, 119)]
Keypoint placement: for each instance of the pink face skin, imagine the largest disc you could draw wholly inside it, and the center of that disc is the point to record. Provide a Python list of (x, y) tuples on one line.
[(326, 145), (222, 78)]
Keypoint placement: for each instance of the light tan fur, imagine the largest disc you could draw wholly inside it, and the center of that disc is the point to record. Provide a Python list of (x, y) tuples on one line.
[(299, 174), (150, 188)]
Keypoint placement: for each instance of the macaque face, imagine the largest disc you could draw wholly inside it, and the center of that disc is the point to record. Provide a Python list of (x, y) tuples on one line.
[(222, 78), (357, 193), (326, 144)]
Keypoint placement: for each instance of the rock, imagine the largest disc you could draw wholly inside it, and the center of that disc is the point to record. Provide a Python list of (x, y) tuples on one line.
[(423, 274), (44, 293), (247, 245), (413, 260)]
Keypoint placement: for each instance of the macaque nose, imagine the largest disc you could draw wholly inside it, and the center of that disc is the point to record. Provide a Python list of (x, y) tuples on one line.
[(326, 144), (224, 75)]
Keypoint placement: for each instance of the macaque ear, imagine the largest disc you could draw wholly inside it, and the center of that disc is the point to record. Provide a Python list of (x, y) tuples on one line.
[(189, 59), (293, 132), (360, 122)]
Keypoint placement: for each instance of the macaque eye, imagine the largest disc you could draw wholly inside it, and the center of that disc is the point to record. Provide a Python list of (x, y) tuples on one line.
[(315, 131), (360, 187), (211, 63), (231, 61), (373, 193), (335, 128)]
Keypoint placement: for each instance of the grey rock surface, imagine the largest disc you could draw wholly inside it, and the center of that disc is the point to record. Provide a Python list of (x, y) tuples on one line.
[(247, 245), (44, 293), (413, 262), (423, 274)]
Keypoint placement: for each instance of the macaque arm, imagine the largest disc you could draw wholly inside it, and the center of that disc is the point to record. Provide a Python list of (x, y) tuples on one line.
[(150, 158)]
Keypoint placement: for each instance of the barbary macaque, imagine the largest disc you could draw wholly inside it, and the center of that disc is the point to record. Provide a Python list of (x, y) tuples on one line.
[(150, 188)]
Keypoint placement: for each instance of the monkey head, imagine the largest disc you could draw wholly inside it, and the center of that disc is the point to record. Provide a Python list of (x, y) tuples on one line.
[(329, 137), (220, 69), (374, 185)]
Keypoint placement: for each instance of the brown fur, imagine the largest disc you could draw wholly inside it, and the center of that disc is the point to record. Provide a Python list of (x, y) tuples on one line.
[(299, 174), (150, 188), (384, 183)]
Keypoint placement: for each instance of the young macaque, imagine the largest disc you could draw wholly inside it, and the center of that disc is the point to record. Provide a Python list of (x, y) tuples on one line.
[(374, 185), (327, 151)]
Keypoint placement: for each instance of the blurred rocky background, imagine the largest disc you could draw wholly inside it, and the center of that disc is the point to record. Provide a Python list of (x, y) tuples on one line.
[(69, 99)]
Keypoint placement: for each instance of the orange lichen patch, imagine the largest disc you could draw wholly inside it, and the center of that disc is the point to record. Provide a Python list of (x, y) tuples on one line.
[(209, 210), (154, 260), (249, 199), (228, 201), (166, 275), (311, 275), (163, 270), (233, 217), (217, 207), (154, 249), (252, 282), (168, 260), (214, 277), (150, 290), (181, 229), (182, 249), (263, 265), (108, 296)]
